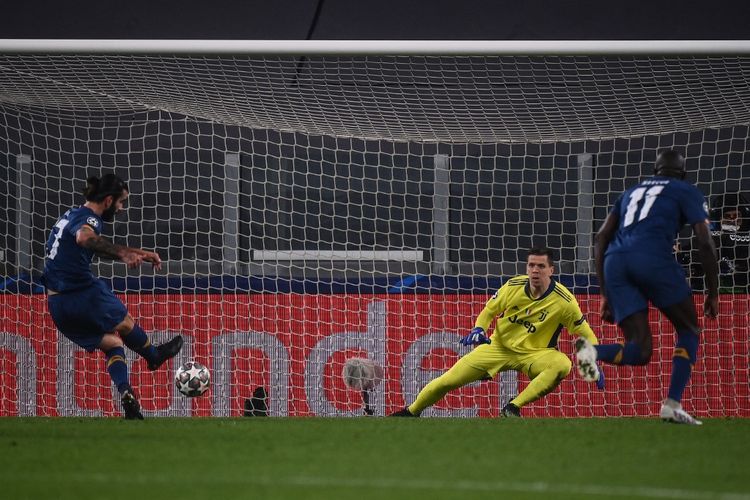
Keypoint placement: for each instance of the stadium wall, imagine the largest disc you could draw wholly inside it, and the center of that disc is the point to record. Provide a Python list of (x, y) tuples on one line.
[(295, 345)]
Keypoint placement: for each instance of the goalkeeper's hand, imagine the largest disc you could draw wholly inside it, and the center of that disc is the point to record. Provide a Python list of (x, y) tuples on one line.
[(476, 337), (600, 380)]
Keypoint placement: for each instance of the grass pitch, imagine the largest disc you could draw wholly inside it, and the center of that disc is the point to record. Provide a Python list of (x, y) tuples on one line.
[(363, 458)]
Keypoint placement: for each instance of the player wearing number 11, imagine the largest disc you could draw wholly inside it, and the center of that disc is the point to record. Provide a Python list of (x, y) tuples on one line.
[(635, 264)]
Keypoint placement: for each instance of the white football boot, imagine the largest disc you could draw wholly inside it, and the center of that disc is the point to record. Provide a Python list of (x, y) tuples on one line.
[(671, 411), (586, 360)]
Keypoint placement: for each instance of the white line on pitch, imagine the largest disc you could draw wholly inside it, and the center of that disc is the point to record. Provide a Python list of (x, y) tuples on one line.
[(516, 486), (595, 490)]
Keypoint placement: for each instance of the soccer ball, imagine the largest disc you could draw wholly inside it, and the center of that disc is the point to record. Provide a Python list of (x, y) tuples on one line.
[(192, 379), (361, 374)]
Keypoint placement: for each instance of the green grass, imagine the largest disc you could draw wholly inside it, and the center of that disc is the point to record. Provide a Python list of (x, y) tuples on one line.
[(80, 458)]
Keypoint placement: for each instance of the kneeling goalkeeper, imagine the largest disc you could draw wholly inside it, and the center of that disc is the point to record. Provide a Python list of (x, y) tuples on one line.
[(531, 312)]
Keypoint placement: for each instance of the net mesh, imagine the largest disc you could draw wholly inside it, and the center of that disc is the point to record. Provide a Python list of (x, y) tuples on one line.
[(311, 210)]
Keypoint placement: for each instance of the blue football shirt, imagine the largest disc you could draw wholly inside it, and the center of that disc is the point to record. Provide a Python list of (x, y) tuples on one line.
[(68, 265), (653, 212)]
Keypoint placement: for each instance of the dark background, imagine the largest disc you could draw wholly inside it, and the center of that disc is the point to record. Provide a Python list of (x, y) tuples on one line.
[(381, 195), (382, 19)]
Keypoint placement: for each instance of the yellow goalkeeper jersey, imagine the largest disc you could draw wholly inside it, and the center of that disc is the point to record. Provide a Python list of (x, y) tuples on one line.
[(526, 324)]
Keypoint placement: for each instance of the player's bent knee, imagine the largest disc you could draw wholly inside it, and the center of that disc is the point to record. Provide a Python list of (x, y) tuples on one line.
[(110, 341), (560, 366), (645, 356), (563, 368), (126, 326)]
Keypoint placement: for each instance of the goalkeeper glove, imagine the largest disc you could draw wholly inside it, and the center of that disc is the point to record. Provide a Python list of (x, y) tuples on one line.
[(476, 337), (600, 380)]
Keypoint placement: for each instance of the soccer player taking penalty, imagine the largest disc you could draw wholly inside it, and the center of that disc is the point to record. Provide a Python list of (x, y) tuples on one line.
[(531, 311), (83, 307), (635, 264)]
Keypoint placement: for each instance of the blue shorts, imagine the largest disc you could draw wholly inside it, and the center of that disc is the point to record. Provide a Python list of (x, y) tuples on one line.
[(85, 315), (632, 280)]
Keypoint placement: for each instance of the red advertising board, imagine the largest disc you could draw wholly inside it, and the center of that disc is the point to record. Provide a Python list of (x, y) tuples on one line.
[(295, 346)]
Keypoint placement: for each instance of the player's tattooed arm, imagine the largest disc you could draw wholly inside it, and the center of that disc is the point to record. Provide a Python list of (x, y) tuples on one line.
[(87, 238), (132, 257)]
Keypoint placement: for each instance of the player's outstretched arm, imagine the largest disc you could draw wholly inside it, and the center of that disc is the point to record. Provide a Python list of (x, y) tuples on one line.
[(151, 257), (132, 257), (707, 256)]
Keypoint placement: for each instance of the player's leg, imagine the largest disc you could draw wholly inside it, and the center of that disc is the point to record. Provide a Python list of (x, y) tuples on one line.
[(685, 321), (629, 306), (137, 340), (546, 370), (638, 346), (459, 375), (669, 291), (79, 316), (474, 366), (635, 351), (112, 347), (113, 316)]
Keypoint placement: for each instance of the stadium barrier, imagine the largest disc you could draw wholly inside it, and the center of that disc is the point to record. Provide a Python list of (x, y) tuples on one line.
[(295, 345)]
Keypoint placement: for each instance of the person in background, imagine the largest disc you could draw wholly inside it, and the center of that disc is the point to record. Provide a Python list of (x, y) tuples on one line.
[(730, 229)]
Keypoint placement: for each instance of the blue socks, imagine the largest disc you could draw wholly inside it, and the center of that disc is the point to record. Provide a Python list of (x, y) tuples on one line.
[(118, 368), (620, 354), (683, 359), (138, 341), (610, 353)]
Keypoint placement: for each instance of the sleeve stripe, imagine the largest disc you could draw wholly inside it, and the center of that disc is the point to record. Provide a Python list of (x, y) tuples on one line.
[(565, 296)]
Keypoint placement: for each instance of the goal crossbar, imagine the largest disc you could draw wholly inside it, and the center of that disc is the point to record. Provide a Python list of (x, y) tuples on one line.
[(377, 47)]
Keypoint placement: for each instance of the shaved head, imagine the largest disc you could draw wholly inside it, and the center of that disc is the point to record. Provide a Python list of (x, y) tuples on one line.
[(670, 163)]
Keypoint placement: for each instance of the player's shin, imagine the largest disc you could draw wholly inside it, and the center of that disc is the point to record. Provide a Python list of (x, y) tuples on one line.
[(683, 359), (138, 341), (609, 353), (633, 355), (118, 368), (431, 394), (458, 376), (542, 384)]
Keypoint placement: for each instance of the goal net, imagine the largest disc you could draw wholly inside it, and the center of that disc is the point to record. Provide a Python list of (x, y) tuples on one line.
[(315, 208)]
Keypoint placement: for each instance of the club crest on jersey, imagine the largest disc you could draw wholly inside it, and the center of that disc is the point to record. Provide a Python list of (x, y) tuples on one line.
[(92, 221)]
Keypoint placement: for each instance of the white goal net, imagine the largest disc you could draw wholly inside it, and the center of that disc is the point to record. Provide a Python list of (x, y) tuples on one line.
[(314, 208)]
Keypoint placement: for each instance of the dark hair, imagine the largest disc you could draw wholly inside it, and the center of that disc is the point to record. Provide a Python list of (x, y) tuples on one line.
[(724, 203), (670, 163), (544, 251), (99, 188)]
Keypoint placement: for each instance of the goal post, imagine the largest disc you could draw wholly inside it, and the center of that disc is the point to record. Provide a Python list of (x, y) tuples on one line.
[(315, 201)]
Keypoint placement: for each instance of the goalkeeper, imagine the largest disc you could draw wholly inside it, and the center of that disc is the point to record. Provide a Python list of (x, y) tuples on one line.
[(532, 311)]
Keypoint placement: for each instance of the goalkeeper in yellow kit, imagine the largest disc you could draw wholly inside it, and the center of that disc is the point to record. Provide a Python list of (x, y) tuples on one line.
[(531, 311)]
